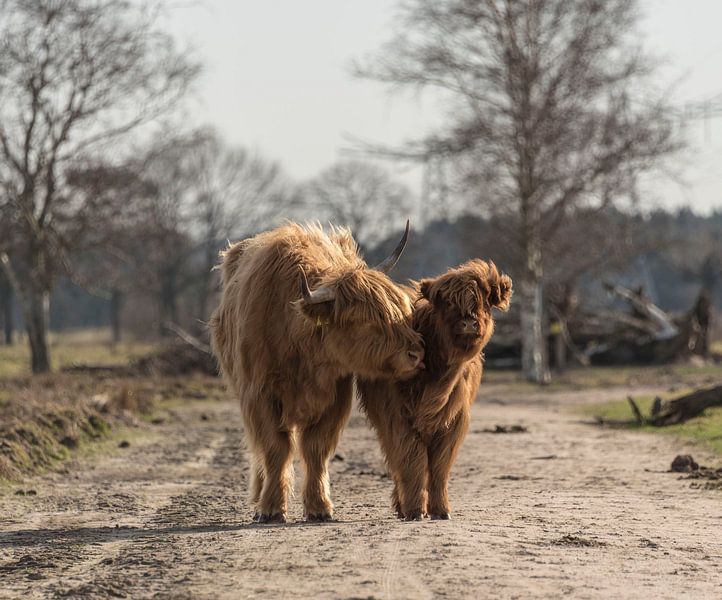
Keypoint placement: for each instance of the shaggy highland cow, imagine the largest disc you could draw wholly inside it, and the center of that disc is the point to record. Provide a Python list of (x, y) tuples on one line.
[(422, 421), (289, 352)]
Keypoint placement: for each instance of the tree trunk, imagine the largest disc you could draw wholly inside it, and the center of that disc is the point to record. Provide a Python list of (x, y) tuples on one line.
[(36, 323), (168, 303), (35, 302), (560, 350), (6, 309), (206, 280), (116, 304), (534, 359)]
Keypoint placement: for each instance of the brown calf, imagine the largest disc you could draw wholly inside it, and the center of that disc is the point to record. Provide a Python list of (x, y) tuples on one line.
[(422, 421)]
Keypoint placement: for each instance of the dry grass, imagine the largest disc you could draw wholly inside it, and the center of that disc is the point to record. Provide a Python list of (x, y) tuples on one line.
[(72, 348), (685, 375), (41, 423), (44, 419)]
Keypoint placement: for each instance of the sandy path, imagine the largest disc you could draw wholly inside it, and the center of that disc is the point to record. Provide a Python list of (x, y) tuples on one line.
[(565, 509)]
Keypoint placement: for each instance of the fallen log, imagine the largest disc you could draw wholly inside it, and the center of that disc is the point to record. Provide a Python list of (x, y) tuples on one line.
[(686, 407)]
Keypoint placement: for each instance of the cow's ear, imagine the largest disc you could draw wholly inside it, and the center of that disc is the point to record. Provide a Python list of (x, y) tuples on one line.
[(500, 292), (427, 289), (320, 312)]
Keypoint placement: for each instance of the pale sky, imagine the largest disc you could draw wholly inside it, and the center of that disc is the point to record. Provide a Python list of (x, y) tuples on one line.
[(278, 80)]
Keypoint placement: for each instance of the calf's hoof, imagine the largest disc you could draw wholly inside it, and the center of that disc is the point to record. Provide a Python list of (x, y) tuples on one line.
[(268, 518), (440, 516), (322, 517)]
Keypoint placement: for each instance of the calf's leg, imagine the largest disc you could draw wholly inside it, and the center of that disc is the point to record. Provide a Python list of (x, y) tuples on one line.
[(409, 460), (443, 450)]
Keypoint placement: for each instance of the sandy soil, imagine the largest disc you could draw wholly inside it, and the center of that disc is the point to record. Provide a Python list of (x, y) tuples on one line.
[(563, 510)]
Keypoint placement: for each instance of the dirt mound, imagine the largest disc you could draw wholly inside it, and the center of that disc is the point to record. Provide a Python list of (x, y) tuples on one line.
[(41, 430)]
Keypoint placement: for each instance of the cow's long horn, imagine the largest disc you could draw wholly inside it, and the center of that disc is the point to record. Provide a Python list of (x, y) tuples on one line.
[(322, 294), (390, 262)]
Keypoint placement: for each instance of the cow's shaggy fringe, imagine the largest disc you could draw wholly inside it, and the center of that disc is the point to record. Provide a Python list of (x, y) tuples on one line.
[(291, 361)]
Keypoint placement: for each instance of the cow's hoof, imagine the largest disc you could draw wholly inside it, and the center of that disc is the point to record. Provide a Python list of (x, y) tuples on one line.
[(323, 517), (440, 516), (414, 515), (274, 518)]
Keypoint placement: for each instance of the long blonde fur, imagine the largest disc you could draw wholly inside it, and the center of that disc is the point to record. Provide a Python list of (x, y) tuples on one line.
[(291, 362)]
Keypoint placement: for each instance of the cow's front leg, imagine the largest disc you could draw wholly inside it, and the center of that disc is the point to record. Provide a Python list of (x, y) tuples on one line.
[(317, 441)]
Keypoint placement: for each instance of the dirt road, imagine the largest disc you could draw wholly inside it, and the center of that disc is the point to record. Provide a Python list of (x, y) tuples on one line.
[(564, 510)]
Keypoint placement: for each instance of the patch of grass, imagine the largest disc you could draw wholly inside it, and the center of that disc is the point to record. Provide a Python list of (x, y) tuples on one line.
[(73, 348), (579, 378), (705, 430)]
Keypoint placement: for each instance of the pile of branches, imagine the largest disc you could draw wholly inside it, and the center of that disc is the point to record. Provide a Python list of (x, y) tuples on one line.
[(184, 356), (644, 333), (641, 333)]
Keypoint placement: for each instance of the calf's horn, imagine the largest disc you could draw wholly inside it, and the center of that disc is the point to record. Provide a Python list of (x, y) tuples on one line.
[(390, 261), (322, 294)]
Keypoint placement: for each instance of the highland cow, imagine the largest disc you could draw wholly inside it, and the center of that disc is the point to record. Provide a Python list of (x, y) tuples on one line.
[(421, 422), (300, 313)]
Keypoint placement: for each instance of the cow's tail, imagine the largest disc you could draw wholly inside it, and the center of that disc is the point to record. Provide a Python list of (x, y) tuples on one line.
[(230, 259)]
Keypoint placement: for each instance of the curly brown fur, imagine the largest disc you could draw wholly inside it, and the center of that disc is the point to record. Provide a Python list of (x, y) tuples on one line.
[(290, 361), (421, 422)]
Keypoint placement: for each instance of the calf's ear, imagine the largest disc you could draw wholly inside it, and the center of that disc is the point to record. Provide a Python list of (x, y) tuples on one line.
[(428, 290), (500, 292)]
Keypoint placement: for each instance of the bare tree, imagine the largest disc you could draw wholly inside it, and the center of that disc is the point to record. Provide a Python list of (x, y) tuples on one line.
[(75, 76), (102, 265), (6, 291), (550, 113), (192, 194), (360, 195), (232, 193)]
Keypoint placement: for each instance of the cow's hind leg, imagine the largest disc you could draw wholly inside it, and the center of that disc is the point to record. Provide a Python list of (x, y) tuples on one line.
[(317, 441), (257, 478), (272, 447), (442, 454), (396, 500)]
